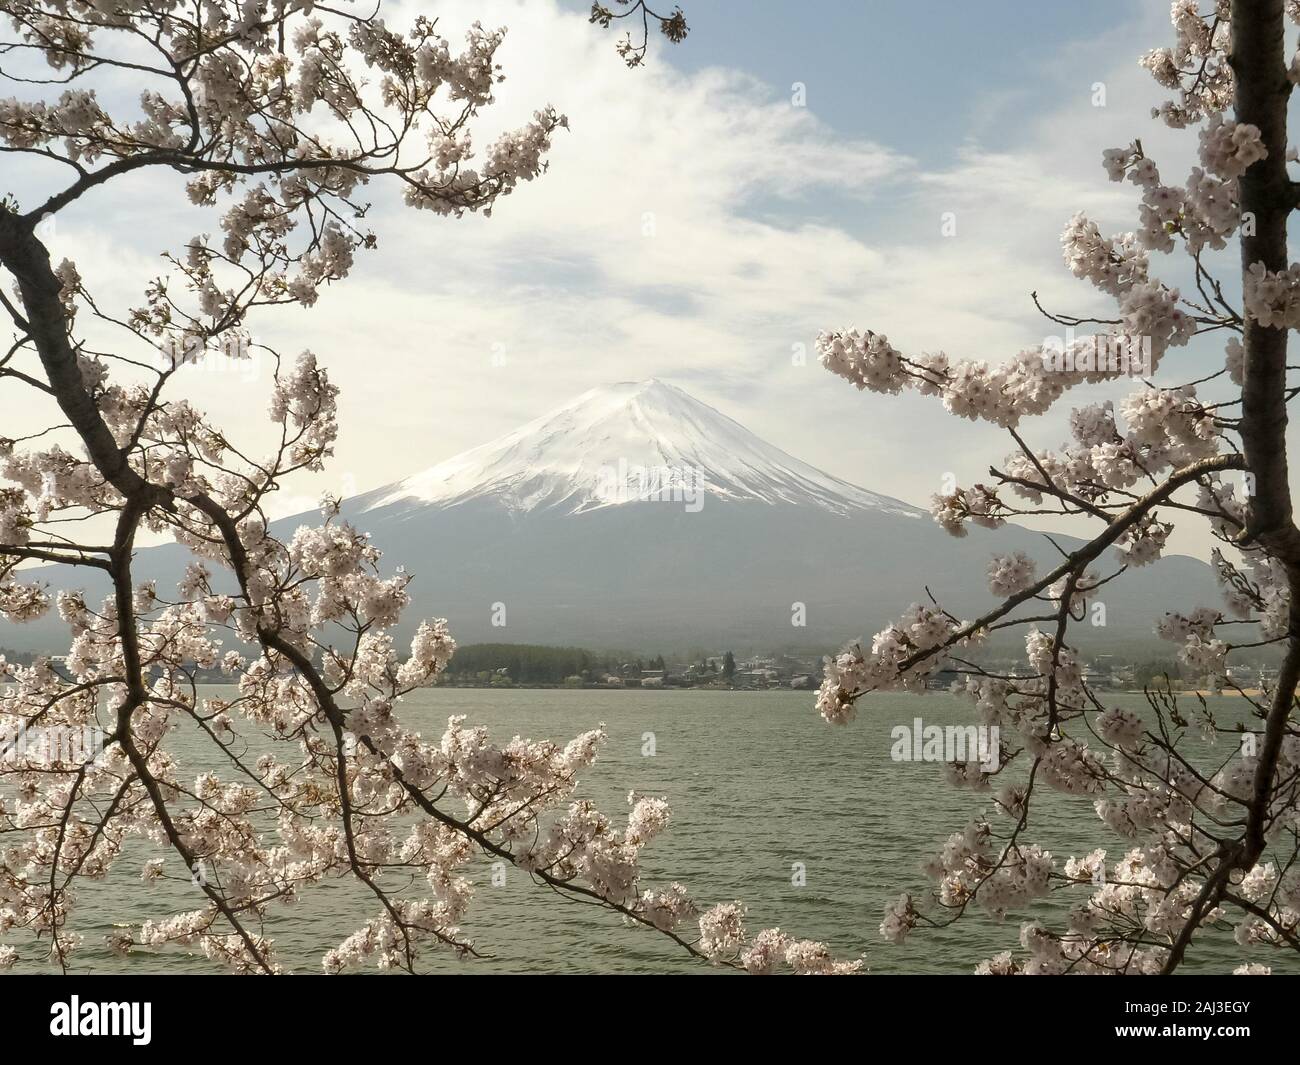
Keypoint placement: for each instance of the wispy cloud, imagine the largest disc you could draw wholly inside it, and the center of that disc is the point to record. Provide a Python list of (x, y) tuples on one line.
[(694, 226)]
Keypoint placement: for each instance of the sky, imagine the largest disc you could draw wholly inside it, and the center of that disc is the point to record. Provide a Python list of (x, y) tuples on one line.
[(786, 169)]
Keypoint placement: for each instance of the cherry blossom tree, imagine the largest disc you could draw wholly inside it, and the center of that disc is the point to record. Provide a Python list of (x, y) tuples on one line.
[(633, 50), (276, 115), (1206, 840)]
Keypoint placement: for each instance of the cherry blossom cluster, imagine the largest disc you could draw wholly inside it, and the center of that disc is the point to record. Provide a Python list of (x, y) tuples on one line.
[(722, 935), (1011, 574), (1025, 386), (1113, 264), (1196, 65), (1204, 212), (901, 657), (1272, 298)]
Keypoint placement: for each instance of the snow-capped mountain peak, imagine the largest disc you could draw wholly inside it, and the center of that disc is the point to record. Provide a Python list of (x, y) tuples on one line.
[(629, 442)]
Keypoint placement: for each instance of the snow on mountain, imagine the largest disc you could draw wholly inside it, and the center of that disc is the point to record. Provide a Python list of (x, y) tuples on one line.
[(629, 442)]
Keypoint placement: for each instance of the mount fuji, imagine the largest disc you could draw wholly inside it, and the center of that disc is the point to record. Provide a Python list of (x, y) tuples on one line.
[(631, 442), (637, 517)]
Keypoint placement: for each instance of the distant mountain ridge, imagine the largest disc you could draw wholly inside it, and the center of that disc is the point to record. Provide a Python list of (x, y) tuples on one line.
[(637, 517)]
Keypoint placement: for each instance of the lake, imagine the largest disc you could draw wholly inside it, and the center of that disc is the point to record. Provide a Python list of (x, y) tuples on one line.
[(757, 782)]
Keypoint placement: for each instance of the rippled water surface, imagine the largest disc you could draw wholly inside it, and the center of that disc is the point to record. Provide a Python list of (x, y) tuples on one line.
[(757, 783)]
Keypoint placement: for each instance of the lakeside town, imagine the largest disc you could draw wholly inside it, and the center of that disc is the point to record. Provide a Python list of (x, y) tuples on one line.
[(503, 665), (798, 671)]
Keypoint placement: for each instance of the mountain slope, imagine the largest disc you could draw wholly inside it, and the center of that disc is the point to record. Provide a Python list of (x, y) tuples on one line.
[(647, 575)]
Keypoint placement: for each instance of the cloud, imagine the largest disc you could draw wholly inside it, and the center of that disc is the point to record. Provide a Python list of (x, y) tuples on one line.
[(678, 232), (693, 226)]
